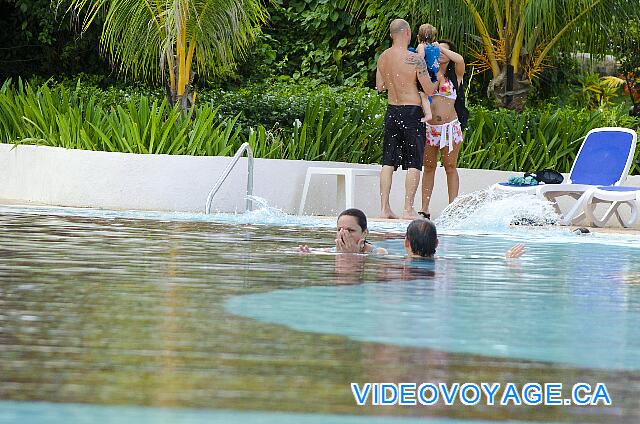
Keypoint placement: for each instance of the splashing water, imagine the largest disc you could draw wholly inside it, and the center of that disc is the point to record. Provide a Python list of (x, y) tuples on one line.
[(485, 210), (476, 213), (262, 204), (264, 214)]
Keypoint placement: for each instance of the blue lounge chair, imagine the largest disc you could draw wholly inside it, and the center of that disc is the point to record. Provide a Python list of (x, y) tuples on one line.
[(603, 160)]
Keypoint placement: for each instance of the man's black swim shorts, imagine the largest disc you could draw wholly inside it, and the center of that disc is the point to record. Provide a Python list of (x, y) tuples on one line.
[(404, 137)]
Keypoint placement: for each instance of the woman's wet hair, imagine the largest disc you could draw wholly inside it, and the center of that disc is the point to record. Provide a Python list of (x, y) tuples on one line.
[(450, 72), (358, 215), (423, 237)]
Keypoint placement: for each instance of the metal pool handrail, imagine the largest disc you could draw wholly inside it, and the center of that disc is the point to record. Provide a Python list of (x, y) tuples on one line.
[(244, 148)]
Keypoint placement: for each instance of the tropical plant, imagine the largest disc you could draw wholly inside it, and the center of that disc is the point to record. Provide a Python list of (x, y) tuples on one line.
[(533, 139), (514, 38), (174, 40), (75, 118), (317, 40), (32, 41), (332, 128), (627, 44), (64, 117), (596, 92)]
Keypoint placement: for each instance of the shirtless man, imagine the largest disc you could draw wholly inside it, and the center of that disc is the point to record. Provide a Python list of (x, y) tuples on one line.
[(399, 71)]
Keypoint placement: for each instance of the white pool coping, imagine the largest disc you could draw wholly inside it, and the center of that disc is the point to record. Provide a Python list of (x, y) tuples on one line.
[(52, 176)]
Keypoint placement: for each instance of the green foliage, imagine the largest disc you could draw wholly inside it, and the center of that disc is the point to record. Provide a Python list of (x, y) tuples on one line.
[(38, 39), (317, 40), (324, 135), (334, 125), (597, 92), (63, 117), (278, 104), (627, 46), (306, 40), (337, 132), (555, 84), (79, 118), (534, 139), (165, 40)]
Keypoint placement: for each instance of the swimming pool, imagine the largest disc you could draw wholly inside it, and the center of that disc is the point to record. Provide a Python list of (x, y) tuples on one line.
[(188, 318)]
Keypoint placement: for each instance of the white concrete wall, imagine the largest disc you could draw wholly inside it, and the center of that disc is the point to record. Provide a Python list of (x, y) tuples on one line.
[(123, 181)]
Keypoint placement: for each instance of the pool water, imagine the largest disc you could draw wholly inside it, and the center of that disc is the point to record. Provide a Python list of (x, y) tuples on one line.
[(565, 304), (180, 318), (55, 413)]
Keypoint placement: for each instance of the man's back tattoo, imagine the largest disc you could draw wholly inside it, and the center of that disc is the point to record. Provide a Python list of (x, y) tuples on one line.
[(419, 63)]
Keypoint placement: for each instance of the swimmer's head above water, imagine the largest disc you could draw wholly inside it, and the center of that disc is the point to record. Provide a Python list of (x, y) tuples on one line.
[(351, 228), (351, 235), (421, 239)]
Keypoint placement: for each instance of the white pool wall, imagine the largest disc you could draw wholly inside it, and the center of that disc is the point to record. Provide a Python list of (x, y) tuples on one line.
[(124, 181)]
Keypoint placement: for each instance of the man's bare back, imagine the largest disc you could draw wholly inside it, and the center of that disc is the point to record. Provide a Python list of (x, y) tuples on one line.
[(399, 71), (404, 132)]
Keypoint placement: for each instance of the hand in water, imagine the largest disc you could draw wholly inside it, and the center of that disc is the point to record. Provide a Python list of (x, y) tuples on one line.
[(304, 249), (515, 252)]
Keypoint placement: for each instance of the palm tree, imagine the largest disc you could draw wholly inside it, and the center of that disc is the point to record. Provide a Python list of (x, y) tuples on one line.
[(174, 40), (514, 38)]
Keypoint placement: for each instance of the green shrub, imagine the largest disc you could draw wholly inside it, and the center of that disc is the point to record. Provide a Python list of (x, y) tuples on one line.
[(279, 103), (284, 121), (316, 39), (70, 118), (534, 139), (80, 118)]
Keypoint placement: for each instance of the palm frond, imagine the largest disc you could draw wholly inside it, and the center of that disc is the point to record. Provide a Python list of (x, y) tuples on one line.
[(612, 82), (143, 37), (533, 68), (482, 62), (557, 25)]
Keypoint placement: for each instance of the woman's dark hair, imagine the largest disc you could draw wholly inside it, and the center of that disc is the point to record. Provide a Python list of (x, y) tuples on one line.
[(450, 72), (358, 215), (423, 237), (460, 104)]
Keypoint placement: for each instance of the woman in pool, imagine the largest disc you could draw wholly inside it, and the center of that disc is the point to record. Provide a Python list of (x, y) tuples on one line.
[(351, 235), (444, 132)]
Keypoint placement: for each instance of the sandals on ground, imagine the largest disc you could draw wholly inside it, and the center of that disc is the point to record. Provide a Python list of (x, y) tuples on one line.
[(425, 215)]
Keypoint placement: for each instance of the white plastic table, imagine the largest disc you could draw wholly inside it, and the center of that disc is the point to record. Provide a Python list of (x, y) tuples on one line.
[(345, 183)]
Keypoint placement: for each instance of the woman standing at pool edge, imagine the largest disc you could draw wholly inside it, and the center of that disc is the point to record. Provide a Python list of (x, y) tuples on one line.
[(444, 132)]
